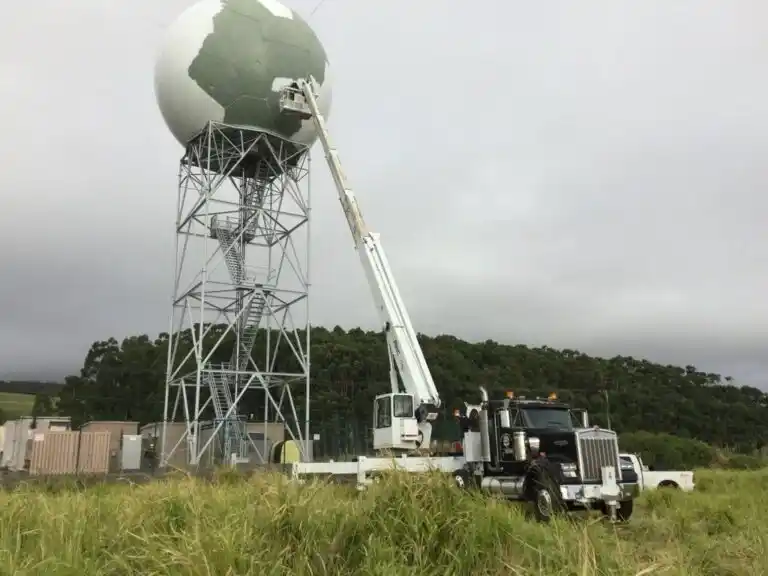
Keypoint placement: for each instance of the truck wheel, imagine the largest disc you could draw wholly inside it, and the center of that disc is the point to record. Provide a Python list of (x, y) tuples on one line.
[(462, 479), (623, 512), (546, 501)]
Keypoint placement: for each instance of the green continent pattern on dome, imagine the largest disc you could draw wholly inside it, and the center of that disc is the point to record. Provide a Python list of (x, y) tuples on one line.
[(253, 52)]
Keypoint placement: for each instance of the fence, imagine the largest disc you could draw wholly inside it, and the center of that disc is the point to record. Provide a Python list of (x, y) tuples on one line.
[(69, 453), (345, 436)]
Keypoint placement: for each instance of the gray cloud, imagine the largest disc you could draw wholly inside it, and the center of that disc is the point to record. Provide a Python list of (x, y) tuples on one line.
[(587, 176)]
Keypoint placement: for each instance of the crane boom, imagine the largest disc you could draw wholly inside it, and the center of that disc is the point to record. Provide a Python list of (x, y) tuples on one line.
[(404, 349)]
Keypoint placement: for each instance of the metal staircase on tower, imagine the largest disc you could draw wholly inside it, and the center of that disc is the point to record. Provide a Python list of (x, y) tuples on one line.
[(235, 440), (224, 377)]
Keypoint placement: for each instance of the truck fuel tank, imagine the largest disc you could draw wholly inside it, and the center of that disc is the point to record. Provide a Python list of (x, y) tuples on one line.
[(509, 487)]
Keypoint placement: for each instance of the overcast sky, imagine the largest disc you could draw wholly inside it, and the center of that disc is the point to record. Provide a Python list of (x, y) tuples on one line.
[(585, 174)]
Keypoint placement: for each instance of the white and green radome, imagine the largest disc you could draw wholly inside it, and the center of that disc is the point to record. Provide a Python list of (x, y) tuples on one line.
[(227, 60)]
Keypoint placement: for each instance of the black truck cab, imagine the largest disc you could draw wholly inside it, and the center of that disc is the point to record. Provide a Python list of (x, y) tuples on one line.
[(511, 445)]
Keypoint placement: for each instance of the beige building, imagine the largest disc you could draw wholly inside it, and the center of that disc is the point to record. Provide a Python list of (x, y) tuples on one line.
[(116, 429)]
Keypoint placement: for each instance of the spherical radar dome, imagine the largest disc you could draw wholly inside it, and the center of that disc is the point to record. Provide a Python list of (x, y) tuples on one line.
[(227, 60)]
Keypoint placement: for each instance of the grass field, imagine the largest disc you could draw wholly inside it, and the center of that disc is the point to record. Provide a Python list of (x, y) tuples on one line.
[(405, 526), (15, 405)]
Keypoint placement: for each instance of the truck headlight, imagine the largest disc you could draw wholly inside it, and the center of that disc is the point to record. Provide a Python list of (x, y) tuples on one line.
[(569, 470)]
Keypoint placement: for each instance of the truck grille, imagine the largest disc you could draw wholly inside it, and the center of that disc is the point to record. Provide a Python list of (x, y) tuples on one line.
[(597, 448)]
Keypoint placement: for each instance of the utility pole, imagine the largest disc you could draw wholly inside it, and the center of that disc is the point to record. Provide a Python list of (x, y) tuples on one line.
[(607, 407)]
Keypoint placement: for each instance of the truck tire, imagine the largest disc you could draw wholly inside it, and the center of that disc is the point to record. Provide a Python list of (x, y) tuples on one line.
[(545, 498), (623, 512), (462, 479)]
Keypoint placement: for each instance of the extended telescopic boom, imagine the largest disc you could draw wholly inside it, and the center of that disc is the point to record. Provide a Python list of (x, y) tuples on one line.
[(403, 345)]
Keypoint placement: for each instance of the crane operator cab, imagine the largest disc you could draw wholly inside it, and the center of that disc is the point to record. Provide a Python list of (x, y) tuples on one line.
[(396, 426)]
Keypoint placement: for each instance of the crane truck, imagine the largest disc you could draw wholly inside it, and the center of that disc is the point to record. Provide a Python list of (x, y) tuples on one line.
[(520, 449)]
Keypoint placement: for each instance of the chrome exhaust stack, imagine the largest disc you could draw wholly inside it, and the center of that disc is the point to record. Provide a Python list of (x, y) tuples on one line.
[(485, 435)]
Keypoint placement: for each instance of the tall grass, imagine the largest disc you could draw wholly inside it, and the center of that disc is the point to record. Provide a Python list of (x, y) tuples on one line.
[(406, 525)]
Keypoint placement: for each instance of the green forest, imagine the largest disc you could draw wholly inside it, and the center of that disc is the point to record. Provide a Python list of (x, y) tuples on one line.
[(348, 368)]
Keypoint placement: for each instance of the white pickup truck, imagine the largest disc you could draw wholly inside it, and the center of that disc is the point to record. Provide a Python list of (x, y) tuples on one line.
[(652, 479)]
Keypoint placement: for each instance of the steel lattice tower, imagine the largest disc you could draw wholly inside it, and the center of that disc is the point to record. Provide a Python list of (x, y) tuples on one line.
[(241, 282)]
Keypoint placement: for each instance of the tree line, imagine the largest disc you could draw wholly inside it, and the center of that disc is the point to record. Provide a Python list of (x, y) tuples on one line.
[(126, 381), (29, 387)]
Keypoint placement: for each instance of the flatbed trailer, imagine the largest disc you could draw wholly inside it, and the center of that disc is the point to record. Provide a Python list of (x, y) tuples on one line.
[(364, 468)]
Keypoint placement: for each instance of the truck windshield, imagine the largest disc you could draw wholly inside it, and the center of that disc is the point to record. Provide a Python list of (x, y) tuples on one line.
[(559, 418)]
